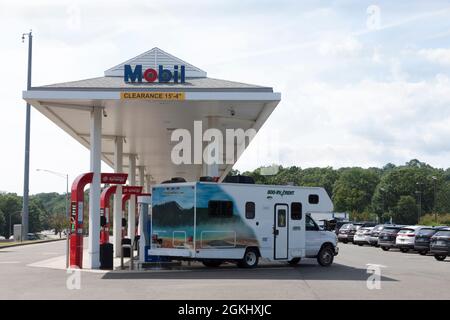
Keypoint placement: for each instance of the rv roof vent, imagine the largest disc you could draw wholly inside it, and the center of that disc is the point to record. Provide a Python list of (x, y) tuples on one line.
[(239, 179), (175, 180)]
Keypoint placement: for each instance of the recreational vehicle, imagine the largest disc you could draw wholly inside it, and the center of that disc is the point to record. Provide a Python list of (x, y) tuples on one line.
[(218, 222)]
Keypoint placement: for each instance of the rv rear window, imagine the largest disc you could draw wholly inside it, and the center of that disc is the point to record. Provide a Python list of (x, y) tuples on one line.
[(220, 209), (296, 211), (250, 210), (313, 199)]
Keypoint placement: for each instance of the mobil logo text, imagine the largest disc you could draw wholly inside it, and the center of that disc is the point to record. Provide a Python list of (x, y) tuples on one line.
[(162, 75)]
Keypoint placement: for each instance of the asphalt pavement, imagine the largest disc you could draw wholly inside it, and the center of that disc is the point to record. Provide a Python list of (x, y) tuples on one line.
[(26, 273)]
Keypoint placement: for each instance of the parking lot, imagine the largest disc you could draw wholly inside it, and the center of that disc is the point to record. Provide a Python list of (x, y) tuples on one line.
[(403, 276)]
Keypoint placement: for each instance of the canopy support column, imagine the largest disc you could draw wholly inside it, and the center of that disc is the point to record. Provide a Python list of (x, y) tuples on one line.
[(117, 218), (141, 170), (132, 202), (148, 182), (141, 176), (211, 169), (94, 192)]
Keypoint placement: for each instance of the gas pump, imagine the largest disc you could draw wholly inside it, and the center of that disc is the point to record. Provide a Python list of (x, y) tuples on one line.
[(125, 240), (105, 197), (77, 209), (125, 198)]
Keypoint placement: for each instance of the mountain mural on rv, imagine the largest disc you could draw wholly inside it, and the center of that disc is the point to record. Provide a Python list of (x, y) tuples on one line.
[(173, 219), (220, 232), (173, 216)]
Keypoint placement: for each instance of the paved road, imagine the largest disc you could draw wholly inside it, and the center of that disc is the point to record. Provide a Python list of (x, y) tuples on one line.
[(405, 276)]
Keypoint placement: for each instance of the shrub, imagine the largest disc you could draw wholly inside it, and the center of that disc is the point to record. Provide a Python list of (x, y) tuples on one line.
[(429, 219)]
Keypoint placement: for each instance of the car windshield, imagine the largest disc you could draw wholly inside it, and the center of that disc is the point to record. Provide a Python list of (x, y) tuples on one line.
[(346, 226), (426, 232), (443, 233), (378, 228), (403, 231), (390, 229)]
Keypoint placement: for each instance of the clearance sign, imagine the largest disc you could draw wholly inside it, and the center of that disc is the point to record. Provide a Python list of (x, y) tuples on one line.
[(152, 95)]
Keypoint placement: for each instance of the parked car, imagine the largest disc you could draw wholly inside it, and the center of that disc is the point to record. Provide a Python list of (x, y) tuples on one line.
[(362, 236), (440, 244), (423, 239), (347, 232), (367, 224), (386, 239), (2, 238), (353, 229), (32, 236), (339, 225), (406, 237), (373, 238), (344, 232)]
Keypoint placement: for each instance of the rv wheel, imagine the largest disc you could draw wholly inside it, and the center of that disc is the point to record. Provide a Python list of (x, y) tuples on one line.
[(326, 256), (250, 259)]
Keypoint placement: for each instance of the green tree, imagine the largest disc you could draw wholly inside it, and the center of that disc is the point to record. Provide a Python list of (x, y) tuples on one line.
[(3, 225), (51, 204), (319, 177), (443, 197), (405, 181), (11, 206), (59, 222), (36, 213), (405, 212), (353, 190)]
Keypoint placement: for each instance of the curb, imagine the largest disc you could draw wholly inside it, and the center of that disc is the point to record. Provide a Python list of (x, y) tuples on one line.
[(28, 243)]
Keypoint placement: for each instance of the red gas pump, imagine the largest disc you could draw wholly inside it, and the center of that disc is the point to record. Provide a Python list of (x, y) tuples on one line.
[(77, 208), (104, 212), (125, 198), (105, 208)]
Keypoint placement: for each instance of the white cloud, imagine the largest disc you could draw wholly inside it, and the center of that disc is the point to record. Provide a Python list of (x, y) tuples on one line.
[(439, 55), (346, 47), (335, 109), (367, 124)]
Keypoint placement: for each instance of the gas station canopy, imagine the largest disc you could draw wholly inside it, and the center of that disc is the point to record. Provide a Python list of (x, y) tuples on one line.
[(146, 122)]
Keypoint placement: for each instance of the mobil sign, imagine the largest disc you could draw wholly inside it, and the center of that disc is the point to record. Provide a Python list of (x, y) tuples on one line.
[(162, 75)]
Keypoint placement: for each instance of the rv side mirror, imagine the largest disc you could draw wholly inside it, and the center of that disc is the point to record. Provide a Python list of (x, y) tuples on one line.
[(102, 221), (124, 222)]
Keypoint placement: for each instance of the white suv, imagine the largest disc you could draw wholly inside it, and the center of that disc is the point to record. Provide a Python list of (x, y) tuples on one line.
[(406, 237), (362, 236)]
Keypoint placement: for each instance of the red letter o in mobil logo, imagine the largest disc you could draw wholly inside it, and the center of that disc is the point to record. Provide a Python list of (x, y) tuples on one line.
[(163, 75), (150, 75)]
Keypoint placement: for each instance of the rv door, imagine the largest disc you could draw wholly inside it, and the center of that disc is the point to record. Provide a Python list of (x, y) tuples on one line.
[(280, 231)]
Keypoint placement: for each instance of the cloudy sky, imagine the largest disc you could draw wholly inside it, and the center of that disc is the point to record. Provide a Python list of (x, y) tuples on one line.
[(363, 83)]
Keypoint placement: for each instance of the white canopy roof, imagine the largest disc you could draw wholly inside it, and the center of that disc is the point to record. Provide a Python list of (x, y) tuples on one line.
[(145, 124)]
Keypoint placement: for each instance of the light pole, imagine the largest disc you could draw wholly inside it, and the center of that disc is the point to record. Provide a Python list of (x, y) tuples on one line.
[(65, 176), (434, 198), (26, 174), (419, 196), (382, 201)]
